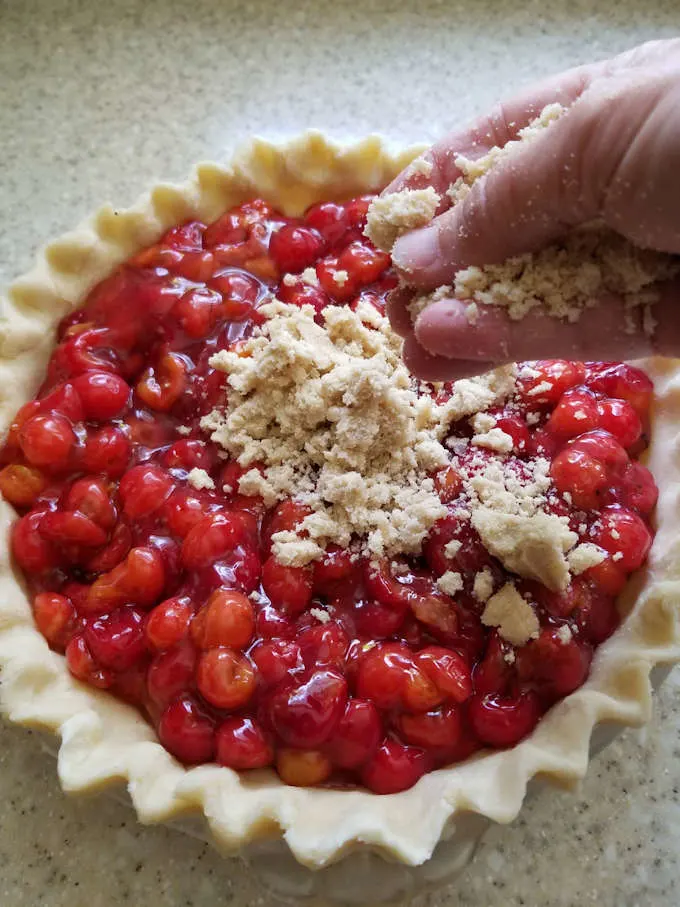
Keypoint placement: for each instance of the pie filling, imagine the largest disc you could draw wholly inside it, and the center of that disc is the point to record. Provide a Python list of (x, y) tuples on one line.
[(244, 633)]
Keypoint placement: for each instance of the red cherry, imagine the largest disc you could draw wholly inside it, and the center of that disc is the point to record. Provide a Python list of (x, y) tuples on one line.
[(170, 673), (143, 490), (295, 248), (289, 588), (276, 660), (117, 639), (555, 666), (624, 535), (440, 729), (186, 731), (55, 617), (447, 670), (47, 440), (241, 744), (576, 413), (212, 537), (503, 721), (33, 552), (103, 394), (356, 736), (227, 619), (545, 381), (107, 451), (225, 678), (91, 497), (328, 219), (83, 666), (394, 767), (306, 714), (168, 623)]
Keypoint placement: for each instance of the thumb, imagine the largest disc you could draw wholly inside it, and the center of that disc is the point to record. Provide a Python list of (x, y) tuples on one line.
[(534, 194)]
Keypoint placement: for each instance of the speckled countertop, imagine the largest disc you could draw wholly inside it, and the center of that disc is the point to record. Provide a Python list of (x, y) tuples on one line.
[(99, 99)]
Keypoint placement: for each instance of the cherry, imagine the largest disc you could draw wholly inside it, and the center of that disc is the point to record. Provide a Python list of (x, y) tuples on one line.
[(394, 767), (432, 730), (186, 731), (638, 490), (92, 498), (33, 552), (306, 714), (295, 248), (241, 744), (556, 666), (55, 617), (143, 489), (624, 535), (47, 441), (170, 673), (577, 412), (227, 619), (620, 419), (20, 485), (289, 588), (104, 395), (70, 527), (107, 451), (390, 675), (83, 666), (225, 678), (503, 721), (168, 623), (624, 382), (580, 475), (303, 768), (239, 293), (356, 736), (212, 537), (545, 381), (117, 639), (328, 219), (448, 670)]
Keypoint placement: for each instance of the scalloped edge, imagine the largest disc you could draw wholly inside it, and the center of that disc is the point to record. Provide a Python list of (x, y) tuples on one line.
[(319, 826)]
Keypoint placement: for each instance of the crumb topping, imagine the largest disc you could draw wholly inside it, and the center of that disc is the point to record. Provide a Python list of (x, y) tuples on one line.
[(512, 615), (392, 215), (199, 479), (334, 419), (568, 276)]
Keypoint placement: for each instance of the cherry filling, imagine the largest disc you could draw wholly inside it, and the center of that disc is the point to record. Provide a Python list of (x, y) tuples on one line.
[(165, 592)]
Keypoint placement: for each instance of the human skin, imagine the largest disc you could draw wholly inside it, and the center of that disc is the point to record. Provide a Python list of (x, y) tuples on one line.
[(614, 155)]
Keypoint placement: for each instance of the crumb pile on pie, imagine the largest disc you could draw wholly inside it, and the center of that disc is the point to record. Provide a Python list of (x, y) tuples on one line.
[(239, 513)]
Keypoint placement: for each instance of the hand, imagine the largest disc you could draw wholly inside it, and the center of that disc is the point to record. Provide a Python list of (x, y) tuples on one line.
[(614, 155)]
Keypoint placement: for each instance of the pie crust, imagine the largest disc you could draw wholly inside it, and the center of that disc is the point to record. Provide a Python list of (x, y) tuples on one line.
[(105, 742)]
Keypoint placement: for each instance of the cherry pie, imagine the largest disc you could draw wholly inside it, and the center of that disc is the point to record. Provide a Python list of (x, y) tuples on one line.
[(180, 648)]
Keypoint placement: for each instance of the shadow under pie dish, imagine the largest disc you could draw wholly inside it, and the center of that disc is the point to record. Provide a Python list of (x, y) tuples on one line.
[(401, 685)]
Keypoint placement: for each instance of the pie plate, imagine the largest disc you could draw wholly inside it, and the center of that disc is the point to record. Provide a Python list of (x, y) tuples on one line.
[(362, 846)]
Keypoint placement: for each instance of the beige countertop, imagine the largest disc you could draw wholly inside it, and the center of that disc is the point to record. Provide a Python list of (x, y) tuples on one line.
[(99, 99)]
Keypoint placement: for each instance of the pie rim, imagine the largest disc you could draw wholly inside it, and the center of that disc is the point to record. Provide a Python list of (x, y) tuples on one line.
[(105, 742)]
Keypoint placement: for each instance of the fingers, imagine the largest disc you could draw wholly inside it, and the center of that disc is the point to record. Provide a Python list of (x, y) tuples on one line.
[(397, 311), (605, 331), (438, 368), (494, 129)]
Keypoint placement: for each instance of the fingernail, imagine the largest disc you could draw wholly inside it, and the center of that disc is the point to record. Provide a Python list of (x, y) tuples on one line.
[(416, 251)]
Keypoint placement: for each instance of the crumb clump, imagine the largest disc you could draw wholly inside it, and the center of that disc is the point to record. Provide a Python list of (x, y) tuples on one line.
[(331, 415), (568, 276), (390, 216)]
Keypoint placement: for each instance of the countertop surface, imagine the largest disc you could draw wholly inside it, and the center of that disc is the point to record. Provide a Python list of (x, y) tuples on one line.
[(99, 99)]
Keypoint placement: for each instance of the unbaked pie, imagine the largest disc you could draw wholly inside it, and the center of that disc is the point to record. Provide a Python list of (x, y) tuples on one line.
[(259, 571)]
